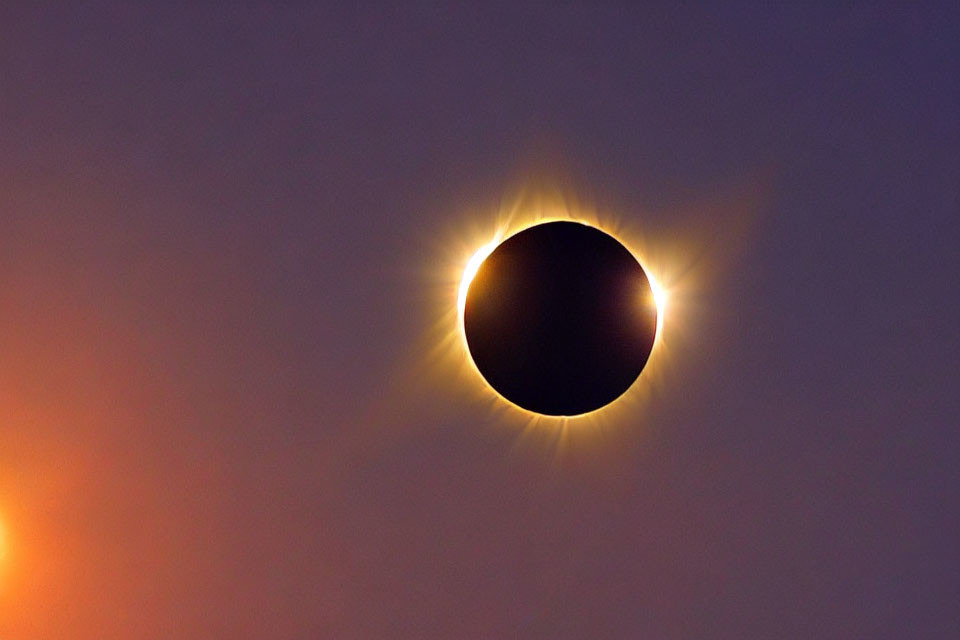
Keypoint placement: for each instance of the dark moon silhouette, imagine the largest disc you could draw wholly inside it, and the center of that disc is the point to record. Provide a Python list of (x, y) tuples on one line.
[(560, 319)]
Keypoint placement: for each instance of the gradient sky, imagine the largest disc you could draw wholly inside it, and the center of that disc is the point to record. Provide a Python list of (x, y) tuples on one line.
[(221, 227)]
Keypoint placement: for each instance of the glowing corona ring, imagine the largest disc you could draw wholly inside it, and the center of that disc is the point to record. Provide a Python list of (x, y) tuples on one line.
[(533, 215)]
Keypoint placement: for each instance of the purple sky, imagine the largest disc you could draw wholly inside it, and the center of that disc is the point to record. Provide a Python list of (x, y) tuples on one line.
[(217, 236)]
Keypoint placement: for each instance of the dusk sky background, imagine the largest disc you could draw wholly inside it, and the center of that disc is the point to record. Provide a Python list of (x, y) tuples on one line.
[(222, 228)]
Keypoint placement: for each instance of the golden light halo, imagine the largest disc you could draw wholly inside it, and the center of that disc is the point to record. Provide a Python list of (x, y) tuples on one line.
[(518, 217)]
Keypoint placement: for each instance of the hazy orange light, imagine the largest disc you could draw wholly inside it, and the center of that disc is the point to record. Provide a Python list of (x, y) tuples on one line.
[(3, 546)]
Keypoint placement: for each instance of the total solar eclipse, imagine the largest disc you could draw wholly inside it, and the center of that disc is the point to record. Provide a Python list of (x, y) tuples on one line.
[(560, 318)]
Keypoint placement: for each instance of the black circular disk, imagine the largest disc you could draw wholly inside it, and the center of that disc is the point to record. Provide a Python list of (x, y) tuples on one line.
[(560, 319)]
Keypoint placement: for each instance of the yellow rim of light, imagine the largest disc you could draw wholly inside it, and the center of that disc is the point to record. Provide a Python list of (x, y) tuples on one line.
[(510, 228)]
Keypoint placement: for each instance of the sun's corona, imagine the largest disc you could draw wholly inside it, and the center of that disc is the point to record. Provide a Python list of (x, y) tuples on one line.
[(504, 232)]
